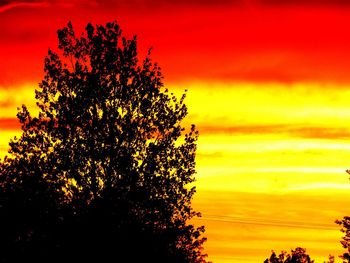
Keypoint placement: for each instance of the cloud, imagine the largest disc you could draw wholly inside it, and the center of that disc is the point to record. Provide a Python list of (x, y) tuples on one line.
[(152, 5), (7, 6), (125, 4), (321, 133), (7, 124), (305, 2), (12, 5), (301, 132)]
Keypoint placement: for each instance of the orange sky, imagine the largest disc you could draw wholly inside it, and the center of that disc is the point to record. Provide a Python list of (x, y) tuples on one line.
[(268, 88)]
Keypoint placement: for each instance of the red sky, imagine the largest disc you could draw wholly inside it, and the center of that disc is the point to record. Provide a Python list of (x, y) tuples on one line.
[(268, 85), (231, 40)]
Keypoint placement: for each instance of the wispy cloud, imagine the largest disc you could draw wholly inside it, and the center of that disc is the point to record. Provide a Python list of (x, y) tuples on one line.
[(7, 5), (306, 2), (9, 124), (13, 5), (303, 132)]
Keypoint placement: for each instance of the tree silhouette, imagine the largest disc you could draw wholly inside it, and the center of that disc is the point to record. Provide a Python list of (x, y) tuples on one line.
[(345, 228), (330, 259), (105, 169), (297, 256)]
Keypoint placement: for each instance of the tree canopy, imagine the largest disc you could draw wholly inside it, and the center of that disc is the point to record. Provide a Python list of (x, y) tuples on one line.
[(298, 255), (105, 170), (345, 241)]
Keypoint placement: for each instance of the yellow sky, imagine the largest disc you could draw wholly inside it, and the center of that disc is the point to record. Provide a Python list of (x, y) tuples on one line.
[(271, 167), (271, 164)]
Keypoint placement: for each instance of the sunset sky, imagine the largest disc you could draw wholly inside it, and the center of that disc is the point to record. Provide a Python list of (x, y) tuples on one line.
[(268, 87)]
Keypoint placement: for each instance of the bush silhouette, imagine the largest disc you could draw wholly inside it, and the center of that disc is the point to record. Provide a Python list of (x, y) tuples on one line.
[(103, 172)]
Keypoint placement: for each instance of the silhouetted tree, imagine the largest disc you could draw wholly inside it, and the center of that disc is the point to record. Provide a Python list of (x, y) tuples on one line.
[(330, 259), (297, 256), (105, 170), (345, 228)]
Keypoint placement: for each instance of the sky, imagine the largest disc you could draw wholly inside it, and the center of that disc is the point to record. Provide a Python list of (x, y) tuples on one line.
[(268, 88)]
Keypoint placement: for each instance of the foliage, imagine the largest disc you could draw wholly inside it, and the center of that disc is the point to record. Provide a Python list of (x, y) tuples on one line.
[(345, 228), (330, 259), (105, 169), (297, 256)]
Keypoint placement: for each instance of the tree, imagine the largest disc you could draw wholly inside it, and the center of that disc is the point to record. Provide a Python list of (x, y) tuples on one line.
[(345, 228), (297, 256), (330, 259), (345, 242), (106, 167)]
